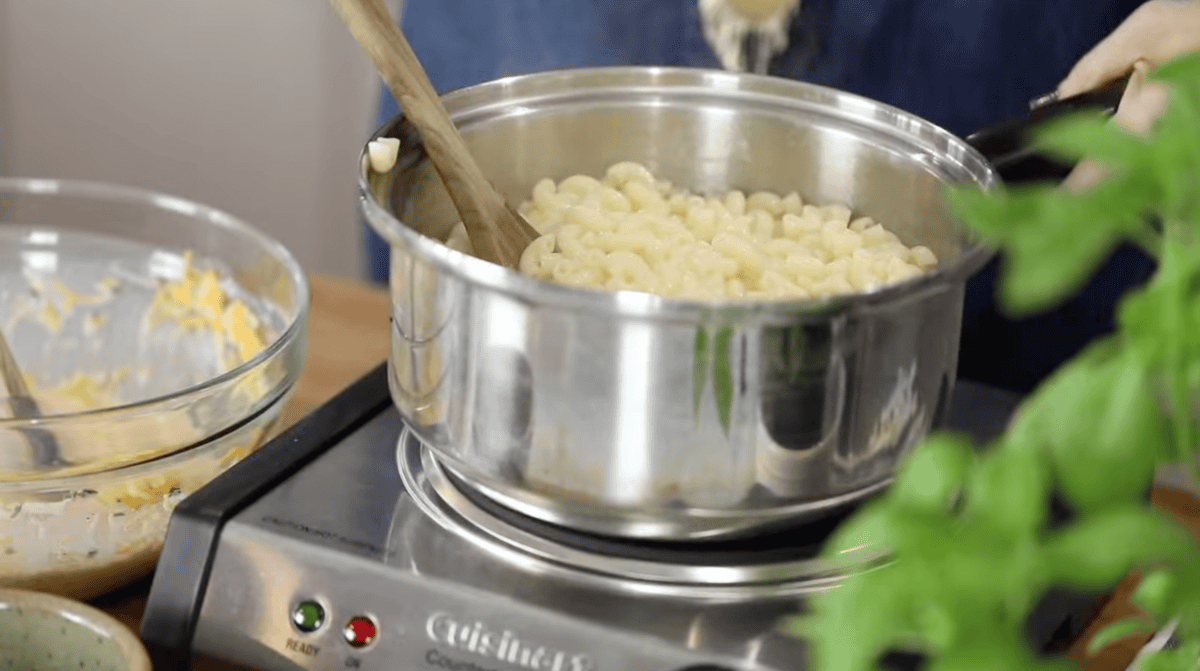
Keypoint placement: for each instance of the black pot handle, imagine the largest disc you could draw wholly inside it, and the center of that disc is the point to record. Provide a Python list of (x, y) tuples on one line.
[(1006, 145)]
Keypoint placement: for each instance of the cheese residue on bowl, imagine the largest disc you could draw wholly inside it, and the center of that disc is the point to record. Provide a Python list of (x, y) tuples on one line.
[(43, 309), (60, 540), (194, 300), (197, 301), (81, 393)]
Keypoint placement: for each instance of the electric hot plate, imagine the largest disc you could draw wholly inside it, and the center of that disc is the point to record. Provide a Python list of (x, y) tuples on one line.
[(342, 544)]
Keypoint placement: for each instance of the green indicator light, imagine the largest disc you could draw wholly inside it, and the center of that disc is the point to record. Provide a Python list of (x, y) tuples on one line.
[(308, 616)]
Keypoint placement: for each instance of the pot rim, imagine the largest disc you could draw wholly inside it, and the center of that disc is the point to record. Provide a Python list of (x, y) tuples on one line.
[(480, 102)]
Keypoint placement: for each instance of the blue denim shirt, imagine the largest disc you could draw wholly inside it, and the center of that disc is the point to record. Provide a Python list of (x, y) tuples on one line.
[(963, 64)]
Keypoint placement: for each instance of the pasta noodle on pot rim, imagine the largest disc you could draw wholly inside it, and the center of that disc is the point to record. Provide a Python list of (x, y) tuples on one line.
[(632, 231)]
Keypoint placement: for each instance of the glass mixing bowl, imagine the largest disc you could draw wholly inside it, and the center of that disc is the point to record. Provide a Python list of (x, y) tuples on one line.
[(161, 339)]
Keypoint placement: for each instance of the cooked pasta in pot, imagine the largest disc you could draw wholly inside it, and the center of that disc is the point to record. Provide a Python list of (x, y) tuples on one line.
[(631, 231)]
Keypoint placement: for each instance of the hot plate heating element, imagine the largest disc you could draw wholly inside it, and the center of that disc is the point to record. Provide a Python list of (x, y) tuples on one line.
[(343, 545)]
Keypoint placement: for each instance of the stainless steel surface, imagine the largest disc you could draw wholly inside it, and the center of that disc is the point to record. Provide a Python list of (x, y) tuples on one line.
[(1043, 100), (598, 410), (342, 532), (442, 502), (43, 448)]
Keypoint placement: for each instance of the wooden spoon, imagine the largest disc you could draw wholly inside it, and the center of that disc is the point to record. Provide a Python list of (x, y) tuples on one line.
[(497, 233)]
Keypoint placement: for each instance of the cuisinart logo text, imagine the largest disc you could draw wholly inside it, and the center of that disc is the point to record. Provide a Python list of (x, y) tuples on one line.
[(505, 646)]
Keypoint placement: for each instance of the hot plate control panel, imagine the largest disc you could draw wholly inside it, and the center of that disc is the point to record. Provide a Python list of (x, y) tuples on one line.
[(333, 611), (309, 616)]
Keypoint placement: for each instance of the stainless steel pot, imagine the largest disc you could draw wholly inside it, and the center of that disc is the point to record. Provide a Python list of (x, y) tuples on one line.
[(632, 415)]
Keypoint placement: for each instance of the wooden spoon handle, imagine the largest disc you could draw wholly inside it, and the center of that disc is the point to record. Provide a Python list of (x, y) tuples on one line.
[(374, 28), (497, 234)]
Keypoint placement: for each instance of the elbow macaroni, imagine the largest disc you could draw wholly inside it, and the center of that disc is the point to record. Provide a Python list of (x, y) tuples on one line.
[(631, 231)]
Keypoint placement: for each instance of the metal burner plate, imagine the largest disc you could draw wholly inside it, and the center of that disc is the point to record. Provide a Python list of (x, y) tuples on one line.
[(703, 572)]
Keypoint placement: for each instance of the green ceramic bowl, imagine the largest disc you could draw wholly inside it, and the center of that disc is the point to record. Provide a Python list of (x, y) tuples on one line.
[(51, 633)]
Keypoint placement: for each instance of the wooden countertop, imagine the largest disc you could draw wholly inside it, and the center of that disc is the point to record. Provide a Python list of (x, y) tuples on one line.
[(348, 336)]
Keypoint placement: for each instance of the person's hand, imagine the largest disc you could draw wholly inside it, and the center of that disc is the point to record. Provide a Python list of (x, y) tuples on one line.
[(1141, 104), (1158, 31)]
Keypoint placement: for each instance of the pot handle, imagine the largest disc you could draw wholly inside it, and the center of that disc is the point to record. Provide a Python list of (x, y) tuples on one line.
[(1006, 145)]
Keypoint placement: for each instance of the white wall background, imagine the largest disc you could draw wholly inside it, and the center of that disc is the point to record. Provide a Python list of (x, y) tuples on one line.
[(258, 107)]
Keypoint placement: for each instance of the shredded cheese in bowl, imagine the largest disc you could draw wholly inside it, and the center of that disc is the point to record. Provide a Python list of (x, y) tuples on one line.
[(154, 370), (195, 307)]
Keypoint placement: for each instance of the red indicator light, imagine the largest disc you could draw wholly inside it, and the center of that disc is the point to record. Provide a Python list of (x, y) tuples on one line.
[(360, 631)]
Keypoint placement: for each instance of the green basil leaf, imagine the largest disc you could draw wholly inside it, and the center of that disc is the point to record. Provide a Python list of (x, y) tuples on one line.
[(995, 215), (1032, 424), (1153, 593), (979, 573), (699, 370), (1107, 452), (996, 652), (934, 473), (796, 626), (1071, 236), (1177, 149), (723, 376), (1055, 240), (1117, 631), (872, 526), (1033, 284), (1007, 491), (1181, 659), (1163, 313), (866, 615), (1162, 327), (784, 349), (881, 528), (960, 586), (1099, 550), (1090, 135), (937, 624), (1039, 419), (1138, 316), (1131, 439), (1183, 71), (1175, 164), (796, 343)]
